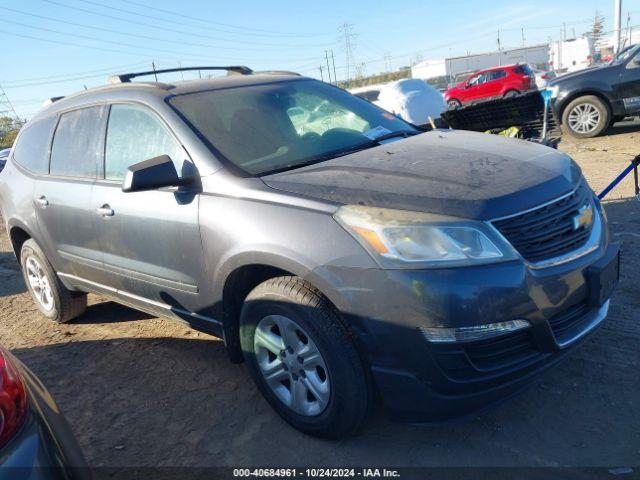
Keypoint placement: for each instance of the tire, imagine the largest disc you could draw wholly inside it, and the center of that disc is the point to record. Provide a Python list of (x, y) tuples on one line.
[(511, 94), (340, 381), (453, 104), (593, 120), (57, 303)]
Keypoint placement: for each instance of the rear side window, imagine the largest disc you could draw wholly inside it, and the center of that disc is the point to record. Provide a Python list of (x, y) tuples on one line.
[(77, 143), (497, 75), (32, 148), (134, 135), (523, 70)]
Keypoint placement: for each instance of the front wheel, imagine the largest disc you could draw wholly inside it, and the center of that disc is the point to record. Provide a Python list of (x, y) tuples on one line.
[(47, 291), (302, 359), (586, 117), (511, 94), (454, 104)]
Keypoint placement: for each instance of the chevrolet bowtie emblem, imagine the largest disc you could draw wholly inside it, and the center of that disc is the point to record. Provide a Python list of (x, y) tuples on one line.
[(583, 218)]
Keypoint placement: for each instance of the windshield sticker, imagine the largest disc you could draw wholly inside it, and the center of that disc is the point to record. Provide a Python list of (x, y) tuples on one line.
[(376, 132)]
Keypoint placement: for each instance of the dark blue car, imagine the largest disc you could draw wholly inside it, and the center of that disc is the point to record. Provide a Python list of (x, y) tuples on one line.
[(35, 440)]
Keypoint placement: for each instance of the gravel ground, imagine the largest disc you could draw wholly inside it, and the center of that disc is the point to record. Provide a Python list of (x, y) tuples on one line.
[(144, 391)]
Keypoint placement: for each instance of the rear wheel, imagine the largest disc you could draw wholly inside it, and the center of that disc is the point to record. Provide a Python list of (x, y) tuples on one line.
[(452, 103), (586, 117), (49, 294), (302, 359)]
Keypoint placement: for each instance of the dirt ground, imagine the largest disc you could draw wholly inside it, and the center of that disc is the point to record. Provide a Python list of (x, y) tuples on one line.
[(144, 391)]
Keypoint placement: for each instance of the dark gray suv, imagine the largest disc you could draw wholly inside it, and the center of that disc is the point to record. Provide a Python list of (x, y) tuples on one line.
[(339, 251)]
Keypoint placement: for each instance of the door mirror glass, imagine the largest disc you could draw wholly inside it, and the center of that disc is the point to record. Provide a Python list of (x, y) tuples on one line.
[(152, 174)]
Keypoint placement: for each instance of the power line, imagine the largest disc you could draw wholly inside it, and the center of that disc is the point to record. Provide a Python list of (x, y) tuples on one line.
[(7, 111), (167, 29), (60, 42), (95, 39), (66, 80), (102, 71), (137, 35), (209, 22), (87, 37)]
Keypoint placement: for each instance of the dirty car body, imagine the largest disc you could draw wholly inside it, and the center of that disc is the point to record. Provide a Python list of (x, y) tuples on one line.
[(438, 337)]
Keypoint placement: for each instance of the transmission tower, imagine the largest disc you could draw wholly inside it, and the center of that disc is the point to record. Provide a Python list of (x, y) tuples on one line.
[(8, 115), (346, 31)]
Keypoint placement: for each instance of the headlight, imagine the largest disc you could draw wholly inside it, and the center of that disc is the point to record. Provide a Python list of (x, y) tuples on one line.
[(401, 238), (553, 90)]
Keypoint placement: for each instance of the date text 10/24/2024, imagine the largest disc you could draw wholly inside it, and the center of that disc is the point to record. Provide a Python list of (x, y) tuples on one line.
[(316, 473)]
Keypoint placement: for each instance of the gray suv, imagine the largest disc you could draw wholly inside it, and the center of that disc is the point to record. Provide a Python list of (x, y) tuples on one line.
[(339, 251)]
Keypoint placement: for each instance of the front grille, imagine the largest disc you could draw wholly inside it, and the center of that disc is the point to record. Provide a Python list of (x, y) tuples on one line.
[(548, 231)]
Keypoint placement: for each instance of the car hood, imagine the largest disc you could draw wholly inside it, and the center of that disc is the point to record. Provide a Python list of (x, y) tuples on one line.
[(581, 73), (449, 172)]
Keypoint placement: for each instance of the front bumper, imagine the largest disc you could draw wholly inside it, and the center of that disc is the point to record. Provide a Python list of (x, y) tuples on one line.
[(421, 381), (44, 447)]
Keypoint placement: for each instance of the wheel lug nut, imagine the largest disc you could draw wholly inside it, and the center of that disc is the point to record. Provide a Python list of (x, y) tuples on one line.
[(300, 359)]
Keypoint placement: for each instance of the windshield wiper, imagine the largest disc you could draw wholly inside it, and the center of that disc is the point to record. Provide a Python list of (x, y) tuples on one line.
[(346, 151)]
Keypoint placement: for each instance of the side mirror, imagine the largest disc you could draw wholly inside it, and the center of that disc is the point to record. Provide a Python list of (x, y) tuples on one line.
[(157, 172), (636, 61)]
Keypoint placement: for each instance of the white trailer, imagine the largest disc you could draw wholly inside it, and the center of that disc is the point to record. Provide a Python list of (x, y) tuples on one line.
[(571, 55)]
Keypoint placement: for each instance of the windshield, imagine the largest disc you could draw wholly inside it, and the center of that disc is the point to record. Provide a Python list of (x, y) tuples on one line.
[(625, 54), (284, 125)]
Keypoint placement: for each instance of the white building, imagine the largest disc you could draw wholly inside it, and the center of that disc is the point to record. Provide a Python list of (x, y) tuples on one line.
[(537, 55)]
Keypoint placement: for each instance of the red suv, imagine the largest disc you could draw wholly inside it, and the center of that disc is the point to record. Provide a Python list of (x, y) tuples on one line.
[(505, 82)]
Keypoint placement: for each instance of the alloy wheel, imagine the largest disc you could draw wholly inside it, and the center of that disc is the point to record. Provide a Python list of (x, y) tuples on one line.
[(584, 118), (39, 284), (291, 365)]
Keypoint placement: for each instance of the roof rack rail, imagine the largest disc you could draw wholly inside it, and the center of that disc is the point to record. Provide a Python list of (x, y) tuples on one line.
[(51, 100), (277, 72), (126, 77)]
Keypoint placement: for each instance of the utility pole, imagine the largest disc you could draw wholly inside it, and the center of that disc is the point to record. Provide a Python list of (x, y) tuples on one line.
[(346, 30), (387, 62), (8, 114), (153, 67), (321, 75), (617, 17), (333, 62), (522, 32), (326, 57), (499, 50), (564, 31)]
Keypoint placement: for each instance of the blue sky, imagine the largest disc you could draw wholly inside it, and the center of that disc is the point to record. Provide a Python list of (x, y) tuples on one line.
[(56, 47)]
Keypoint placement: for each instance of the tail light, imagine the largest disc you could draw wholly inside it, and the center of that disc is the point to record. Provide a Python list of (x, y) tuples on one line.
[(13, 399)]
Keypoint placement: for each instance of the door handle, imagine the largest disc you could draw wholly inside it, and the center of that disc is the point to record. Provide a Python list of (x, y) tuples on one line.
[(105, 211), (42, 201)]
